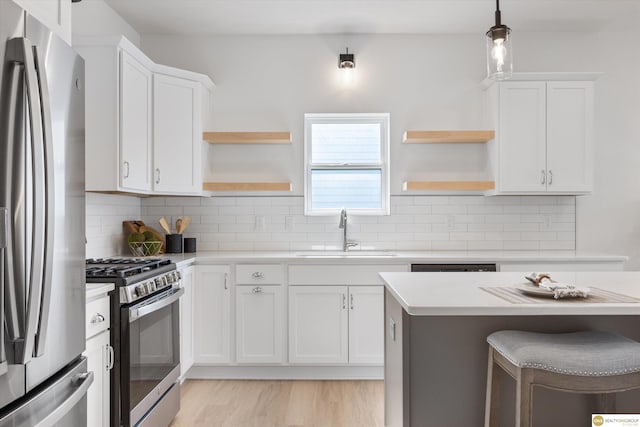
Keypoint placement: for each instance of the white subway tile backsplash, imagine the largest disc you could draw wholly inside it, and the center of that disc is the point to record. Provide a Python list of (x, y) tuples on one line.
[(521, 245), (278, 223)]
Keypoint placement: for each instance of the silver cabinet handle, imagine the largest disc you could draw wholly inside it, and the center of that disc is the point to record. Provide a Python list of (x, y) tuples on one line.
[(550, 177), (157, 175), (544, 177), (126, 165), (258, 275), (257, 290), (110, 357), (97, 318), (351, 298), (344, 301), (225, 281)]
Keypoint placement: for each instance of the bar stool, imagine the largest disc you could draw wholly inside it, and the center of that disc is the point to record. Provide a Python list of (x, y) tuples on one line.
[(594, 362)]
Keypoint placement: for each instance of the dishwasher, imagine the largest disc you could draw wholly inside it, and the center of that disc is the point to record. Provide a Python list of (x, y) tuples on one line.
[(452, 267)]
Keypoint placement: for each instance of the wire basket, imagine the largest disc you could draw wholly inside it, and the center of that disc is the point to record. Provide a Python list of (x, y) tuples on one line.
[(145, 248)]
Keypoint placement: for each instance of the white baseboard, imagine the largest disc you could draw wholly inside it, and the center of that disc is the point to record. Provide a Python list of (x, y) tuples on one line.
[(287, 372)]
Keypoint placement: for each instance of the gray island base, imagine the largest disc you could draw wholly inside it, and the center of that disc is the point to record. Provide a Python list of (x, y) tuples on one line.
[(436, 326)]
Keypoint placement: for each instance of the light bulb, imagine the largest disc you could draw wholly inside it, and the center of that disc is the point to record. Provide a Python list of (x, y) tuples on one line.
[(498, 53), (347, 76)]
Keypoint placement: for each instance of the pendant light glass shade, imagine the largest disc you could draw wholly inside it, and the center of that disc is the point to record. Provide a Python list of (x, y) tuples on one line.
[(499, 49)]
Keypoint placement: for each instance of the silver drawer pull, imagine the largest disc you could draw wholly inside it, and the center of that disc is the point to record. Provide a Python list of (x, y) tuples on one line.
[(258, 275), (257, 290), (97, 318)]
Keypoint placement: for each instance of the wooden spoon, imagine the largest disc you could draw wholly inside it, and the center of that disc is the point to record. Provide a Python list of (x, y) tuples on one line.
[(185, 222), (179, 225), (165, 225)]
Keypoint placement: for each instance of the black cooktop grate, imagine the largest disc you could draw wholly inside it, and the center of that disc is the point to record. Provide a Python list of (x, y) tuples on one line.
[(122, 268)]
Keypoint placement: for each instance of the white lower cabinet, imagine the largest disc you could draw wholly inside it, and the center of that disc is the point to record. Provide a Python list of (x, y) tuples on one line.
[(366, 325), (259, 324), (318, 325), (186, 321), (212, 315), (336, 325), (99, 354)]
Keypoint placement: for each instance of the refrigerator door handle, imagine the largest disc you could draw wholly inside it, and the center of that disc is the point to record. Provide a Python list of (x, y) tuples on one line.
[(49, 204), (15, 237), (35, 278), (82, 381), (4, 229)]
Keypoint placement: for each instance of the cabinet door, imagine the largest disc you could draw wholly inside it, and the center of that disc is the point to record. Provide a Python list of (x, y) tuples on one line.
[(135, 124), (366, 325), (176, 135), (97, 354), (318, 325), (259, 315), (186, 321), (212, 325), (569, 136), (522, 155)]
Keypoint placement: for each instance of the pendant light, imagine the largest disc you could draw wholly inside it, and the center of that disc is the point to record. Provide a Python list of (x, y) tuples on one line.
[(346, 64), (499, 50)]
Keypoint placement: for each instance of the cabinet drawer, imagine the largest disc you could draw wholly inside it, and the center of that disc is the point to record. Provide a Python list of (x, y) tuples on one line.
[(97, 316), (329, 274), (264, 274)]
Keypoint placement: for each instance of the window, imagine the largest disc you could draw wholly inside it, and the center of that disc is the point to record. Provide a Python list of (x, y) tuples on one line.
[(346, 161)]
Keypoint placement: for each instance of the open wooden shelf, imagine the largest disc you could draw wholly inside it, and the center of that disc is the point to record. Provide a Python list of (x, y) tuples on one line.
[(447, 136), (247, 137), (246, 186), (448, 185)]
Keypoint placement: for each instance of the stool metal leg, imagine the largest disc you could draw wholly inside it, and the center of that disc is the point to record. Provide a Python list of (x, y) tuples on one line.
[(492, 403), (524, 398)]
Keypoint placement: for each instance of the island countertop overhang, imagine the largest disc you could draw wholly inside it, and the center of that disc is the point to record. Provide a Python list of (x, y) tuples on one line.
[(460, 294)]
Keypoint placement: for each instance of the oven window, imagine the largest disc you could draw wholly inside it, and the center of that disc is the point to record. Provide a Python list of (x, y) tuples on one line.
[(154, 350)]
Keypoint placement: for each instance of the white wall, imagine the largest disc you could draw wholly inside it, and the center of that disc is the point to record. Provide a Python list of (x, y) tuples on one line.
[(425, 82), (96, 18)]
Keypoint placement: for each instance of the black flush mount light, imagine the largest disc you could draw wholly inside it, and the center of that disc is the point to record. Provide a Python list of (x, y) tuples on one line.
[(347, 60), (499, 49)]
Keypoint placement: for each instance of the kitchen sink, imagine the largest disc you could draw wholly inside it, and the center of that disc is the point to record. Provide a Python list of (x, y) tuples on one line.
[(348, 254)]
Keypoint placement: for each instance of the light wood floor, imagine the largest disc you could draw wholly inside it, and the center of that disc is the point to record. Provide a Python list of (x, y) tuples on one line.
[(227, 403)]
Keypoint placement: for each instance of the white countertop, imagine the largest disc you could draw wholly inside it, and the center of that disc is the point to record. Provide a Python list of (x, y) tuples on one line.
[(459, 294), (391, 256), (98, 289)]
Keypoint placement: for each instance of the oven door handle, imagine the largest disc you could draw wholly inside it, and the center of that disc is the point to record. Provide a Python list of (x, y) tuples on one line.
[(137, 312)]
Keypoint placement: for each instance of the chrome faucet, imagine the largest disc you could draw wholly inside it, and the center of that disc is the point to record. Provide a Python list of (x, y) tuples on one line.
[(346, 244)]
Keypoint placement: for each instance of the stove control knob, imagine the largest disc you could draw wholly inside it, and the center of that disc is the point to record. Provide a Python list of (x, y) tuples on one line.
[(151, 286), (141, 290)]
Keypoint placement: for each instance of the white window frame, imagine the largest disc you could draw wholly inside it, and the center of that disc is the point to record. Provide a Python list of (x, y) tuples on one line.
[(381, 118)]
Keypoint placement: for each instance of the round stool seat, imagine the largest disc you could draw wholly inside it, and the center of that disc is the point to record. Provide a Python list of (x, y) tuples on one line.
[(586, 353)]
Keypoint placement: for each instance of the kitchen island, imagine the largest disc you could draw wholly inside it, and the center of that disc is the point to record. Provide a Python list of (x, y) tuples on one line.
[(436, 326)]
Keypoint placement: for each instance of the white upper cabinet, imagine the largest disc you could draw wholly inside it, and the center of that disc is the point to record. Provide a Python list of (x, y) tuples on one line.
[(135, 124), (177, 133), (544, 139), (143, 121), (55, 14), (569, 136)]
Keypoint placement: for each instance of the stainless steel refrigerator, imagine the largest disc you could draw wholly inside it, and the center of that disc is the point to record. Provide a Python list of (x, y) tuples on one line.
[(43, 376)]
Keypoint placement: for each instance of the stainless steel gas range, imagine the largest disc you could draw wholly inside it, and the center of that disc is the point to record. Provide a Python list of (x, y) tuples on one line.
[(145, 337)]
